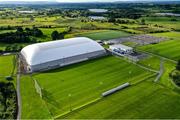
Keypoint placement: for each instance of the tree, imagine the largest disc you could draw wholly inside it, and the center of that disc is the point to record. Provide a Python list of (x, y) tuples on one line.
[(143, 21), (55, 35), (8, 48), (112, 20), (31, 18), (61, 35), (14, 47), (37, 32), (20, 29), (178, 65), (27, 29)]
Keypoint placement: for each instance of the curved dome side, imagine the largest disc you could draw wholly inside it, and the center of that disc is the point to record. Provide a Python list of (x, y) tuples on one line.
[(49, 51), (29, 52)]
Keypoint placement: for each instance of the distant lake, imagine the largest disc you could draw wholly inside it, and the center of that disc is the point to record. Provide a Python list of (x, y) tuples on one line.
[(98, 10), (28, 12), (168, 14), (97, 17)]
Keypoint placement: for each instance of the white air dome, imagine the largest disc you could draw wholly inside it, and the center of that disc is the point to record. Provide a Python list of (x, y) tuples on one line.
[(50, 51)]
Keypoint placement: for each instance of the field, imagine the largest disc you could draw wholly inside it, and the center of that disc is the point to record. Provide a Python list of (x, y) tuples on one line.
[(144, 100), (105, 35), (47, 33), (59, 84), (6, 62), (170, 35), (74, 91), (169, 49), (165, 79), (33, 106), (5, 31), (25, 21), (153, 62), (164, 21)]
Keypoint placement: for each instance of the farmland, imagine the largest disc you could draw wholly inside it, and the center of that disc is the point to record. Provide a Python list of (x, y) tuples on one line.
[(47, 33), (105, 35), (90, 84), (6, 62), (164, 21)]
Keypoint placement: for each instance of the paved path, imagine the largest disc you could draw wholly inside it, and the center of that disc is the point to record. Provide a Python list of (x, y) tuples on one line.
[(161, 71), (18, 90), (146, 68)]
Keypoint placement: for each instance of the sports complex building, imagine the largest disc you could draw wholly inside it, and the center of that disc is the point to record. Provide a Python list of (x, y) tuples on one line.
[(122, 49), (54, 54)]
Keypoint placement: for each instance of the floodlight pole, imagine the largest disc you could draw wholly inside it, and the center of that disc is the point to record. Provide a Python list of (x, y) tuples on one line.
[(70, 107)]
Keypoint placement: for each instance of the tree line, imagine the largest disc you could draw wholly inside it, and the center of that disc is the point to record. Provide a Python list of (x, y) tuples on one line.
[(21, 35)]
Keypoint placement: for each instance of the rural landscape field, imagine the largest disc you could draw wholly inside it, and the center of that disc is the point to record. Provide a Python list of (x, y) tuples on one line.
[(89, 59)]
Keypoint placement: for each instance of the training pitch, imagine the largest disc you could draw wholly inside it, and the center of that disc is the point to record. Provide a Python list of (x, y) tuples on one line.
[(73, 86)]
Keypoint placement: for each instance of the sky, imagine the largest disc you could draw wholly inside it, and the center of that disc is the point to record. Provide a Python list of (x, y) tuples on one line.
[(79, 0)]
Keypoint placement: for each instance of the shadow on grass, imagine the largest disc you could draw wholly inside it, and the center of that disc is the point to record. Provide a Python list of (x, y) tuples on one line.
[(47, 96)]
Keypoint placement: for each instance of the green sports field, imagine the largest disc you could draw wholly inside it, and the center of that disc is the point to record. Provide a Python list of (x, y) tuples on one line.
[(169, 48), (105, 34), (33, 106), (153, 62), (144, 100), (78, 84)]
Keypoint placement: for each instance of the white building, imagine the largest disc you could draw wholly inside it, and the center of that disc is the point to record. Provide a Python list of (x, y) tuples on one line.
[(54, 54), (122, 49)]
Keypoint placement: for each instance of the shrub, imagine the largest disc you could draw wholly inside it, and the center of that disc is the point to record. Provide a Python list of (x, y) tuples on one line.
[(178, 65)]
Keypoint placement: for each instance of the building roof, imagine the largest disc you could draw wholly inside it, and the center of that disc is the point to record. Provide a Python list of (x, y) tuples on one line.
[(120, 46), (54, 50)]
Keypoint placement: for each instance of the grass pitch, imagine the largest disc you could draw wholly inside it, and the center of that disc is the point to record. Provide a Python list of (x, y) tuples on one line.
[(169, 49), (105, 35), (146, 100), (33, 106), (75, 85), (151, 62)]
